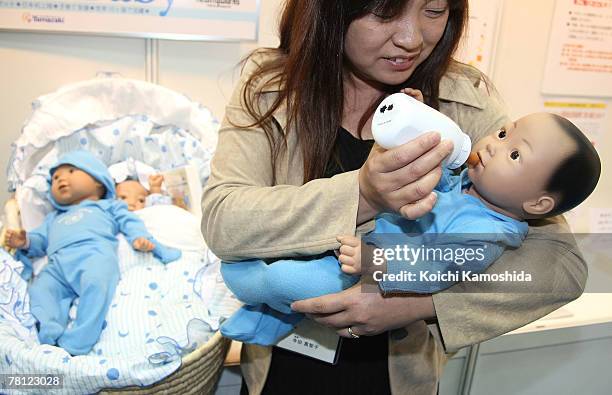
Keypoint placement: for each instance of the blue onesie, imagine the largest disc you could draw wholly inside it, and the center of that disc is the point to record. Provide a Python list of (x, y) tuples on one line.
[(268, 290), (81, 244)]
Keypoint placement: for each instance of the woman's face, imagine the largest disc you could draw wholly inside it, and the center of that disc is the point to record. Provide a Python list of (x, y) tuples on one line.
[(388, 49)]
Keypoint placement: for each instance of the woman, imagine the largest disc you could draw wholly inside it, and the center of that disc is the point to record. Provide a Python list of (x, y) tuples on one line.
[(295, 168)]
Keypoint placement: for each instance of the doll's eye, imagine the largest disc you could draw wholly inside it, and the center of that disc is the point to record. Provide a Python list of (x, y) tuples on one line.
[(515, 155), (501, 134), (141, 200)]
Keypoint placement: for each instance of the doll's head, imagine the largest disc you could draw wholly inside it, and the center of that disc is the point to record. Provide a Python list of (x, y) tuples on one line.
[(539, 166), (132, 193), (71, 185), (79, 176)]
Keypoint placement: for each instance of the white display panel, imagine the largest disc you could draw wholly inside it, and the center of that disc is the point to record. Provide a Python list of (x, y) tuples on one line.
[(478, 45), (580, 49), (217, 20)]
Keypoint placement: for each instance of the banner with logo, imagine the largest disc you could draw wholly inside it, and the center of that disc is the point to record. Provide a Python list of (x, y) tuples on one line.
[(215, 20)]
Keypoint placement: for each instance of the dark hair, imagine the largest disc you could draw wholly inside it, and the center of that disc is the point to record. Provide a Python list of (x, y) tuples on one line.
[(577, 176), (309, 68)]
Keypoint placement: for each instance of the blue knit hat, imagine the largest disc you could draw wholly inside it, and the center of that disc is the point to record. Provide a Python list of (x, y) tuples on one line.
[(91, 165)]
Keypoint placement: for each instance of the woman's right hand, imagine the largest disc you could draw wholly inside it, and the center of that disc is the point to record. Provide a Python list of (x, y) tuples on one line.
[(402, 179)]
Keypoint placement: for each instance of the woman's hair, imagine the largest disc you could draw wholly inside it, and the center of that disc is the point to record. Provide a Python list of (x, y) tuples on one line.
[(309, 68), (577, 176)]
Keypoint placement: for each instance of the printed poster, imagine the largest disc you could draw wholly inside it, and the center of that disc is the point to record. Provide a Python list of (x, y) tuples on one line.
[(579, 59)]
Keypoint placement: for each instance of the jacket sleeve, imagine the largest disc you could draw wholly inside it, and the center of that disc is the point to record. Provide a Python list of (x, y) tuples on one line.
[(246, 216), (472, 312)]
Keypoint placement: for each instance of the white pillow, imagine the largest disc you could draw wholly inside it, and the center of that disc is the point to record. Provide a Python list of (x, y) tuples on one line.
[(173, 226)]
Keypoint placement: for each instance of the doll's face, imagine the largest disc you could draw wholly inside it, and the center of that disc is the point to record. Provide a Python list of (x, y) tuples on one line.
[(71, 185), (518, 161), (132, 193)]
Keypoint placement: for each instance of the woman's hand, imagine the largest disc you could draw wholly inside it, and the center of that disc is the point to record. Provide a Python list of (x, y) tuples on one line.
[(366, 313), (402, 179)]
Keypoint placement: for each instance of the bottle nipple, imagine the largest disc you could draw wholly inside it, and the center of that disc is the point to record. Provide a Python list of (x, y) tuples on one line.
[(473, 159)]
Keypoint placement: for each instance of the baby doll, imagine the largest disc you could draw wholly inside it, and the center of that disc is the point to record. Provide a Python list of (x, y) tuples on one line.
[(518, 177), (80, 241), (135, 195)]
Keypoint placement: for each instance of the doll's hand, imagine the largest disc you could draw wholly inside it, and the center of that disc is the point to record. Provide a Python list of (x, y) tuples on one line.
[(15, 238), (415, 93), (142, 244), (155, 183), (350, 254)]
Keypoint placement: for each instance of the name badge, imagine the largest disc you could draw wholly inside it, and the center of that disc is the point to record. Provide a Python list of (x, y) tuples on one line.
[(313, 340)]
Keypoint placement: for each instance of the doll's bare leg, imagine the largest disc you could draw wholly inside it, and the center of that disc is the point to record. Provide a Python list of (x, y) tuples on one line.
[(350, 254)]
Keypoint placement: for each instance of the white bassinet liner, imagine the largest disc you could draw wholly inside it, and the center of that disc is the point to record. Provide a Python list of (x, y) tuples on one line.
[(117, 119), (159, 314)]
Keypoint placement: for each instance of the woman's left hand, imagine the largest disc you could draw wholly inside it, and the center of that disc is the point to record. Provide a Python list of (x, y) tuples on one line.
[(366, 313)]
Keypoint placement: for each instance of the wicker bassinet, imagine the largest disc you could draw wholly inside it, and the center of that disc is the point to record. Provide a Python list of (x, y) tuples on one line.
[(200, 370), (198, 373)]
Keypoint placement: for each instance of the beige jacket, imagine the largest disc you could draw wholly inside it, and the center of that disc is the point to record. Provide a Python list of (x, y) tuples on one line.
[(245, 216)]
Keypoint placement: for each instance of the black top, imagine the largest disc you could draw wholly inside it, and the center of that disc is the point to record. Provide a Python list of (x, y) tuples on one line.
[(362, 366)]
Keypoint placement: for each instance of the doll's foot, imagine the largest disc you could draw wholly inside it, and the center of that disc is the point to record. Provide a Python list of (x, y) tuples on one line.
[(259, 324)]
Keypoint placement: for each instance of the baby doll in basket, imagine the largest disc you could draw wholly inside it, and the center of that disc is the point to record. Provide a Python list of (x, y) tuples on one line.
[(131, 184), (79, 238), (137, 197)]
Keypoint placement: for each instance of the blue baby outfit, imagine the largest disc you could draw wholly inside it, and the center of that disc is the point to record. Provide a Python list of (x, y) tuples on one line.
[(81, 244), (458, 221), (157, 199), (268, 290)]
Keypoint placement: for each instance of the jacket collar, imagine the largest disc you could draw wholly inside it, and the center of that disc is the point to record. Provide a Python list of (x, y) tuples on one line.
[(461, 88)]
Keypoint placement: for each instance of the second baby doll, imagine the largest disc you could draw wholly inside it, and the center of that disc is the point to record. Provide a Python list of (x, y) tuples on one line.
[(80, 240)]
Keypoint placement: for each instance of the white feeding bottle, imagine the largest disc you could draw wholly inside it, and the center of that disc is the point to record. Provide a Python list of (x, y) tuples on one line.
[(401, 118)]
